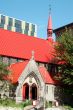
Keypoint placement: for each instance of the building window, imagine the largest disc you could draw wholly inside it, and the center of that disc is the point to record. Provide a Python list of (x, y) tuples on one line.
[(1, 25), (2, 19), (17, 23), (49, 68), (10, 21), (17, 60), (32, 33), (19, 30), (26, 26), (33, 28), (26, 31), (8, 27), (53, 68)]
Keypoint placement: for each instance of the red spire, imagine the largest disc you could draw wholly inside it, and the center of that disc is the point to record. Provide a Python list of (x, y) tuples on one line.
[(49, 27)]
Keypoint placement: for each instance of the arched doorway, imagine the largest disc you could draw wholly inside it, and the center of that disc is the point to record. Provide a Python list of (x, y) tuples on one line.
[(34, 92), (25, 91)]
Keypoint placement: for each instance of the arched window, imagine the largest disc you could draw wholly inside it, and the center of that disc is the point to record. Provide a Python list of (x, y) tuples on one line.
[(25, 91), (34, 91)]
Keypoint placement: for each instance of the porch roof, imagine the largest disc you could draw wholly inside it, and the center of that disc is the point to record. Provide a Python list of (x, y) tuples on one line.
[(17, 68), (48, 79)]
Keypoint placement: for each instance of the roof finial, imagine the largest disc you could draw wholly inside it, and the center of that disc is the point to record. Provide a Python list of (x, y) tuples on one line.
[(32, 55), (49, 9), (49, 27)]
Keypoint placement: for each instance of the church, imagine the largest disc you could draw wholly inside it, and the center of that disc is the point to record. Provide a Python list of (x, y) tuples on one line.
[(30, 62)]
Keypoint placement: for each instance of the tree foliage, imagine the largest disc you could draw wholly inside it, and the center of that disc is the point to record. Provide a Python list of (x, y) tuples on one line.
[(64, 53), (4, 83), (3, 70)]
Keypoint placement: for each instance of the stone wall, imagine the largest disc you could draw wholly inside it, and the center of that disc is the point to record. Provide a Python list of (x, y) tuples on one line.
[(50, 92)]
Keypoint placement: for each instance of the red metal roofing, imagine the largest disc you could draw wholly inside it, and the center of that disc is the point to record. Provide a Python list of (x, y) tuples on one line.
[(46, 76), (17, 68), (19, 45), (49, 23)]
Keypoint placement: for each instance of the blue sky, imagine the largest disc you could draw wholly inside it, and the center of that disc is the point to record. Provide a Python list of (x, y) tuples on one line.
[(37, 12)]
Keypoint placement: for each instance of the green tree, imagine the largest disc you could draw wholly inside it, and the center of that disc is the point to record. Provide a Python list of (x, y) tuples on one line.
[(4, 83), (64, 53), (3, 70)]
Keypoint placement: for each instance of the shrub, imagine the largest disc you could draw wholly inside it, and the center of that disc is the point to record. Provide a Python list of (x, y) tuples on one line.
[(26, 103), (48, 104), (12, 103), (68, 107)]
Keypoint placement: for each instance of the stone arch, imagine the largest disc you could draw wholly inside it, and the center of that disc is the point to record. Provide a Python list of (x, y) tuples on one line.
[(31, 69), (25, 91), (36, 78)]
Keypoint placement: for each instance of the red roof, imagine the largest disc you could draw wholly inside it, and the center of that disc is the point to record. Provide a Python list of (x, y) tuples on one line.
[(19, 45), (46, 76), (17, 68)]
